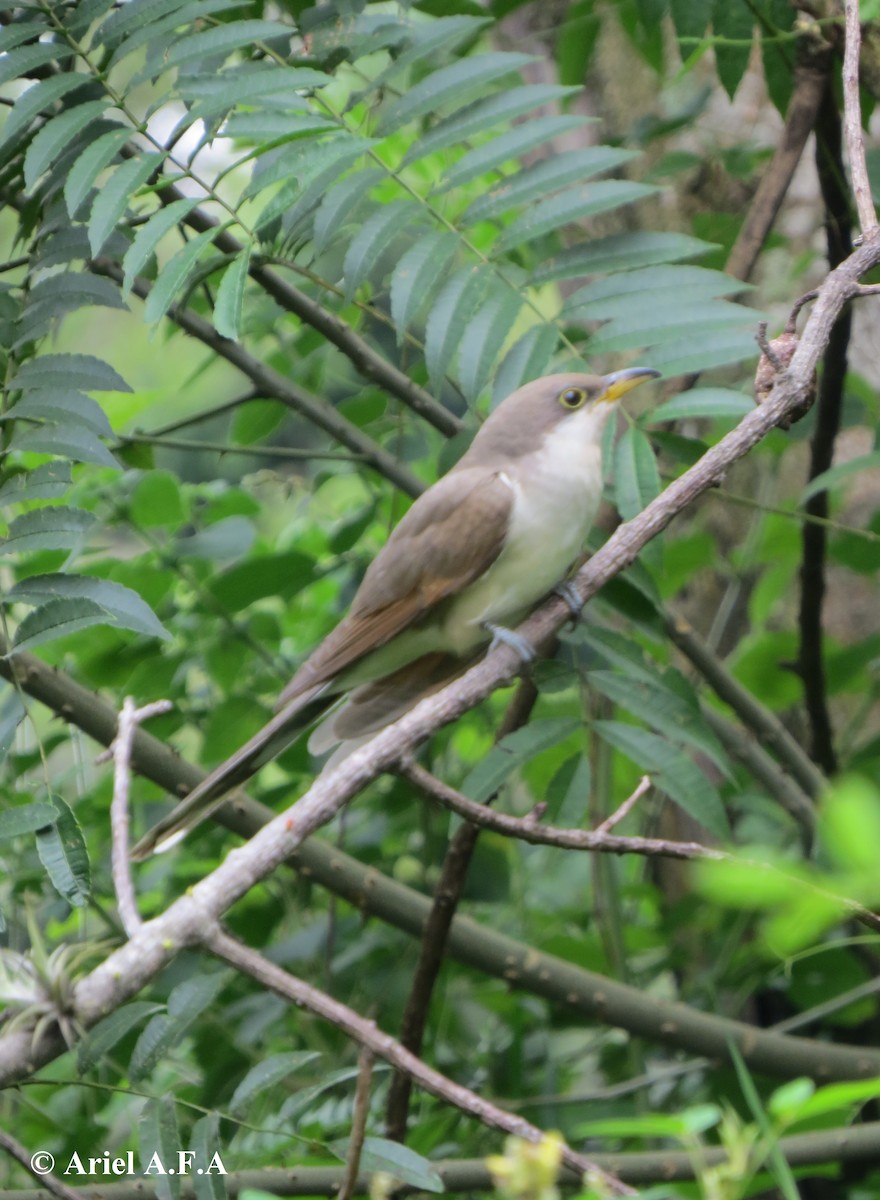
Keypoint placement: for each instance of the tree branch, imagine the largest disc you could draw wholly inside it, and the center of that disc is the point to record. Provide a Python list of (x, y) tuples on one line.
[(839, 1144), (366, 1033), (853, 121), (526, 829)]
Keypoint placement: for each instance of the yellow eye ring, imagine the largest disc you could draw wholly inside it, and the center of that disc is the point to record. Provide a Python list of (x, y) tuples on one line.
[(572, 397)]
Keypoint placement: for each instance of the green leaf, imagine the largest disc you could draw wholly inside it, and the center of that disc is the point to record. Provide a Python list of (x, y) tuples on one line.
[(690, 18), (512, 752), (733, 23), (544, 178), (450, 315), (19, 64), (671, 771), (527, 359), (428, 40), (13, 35), (57, 295), (636, 478), (620, 252), (36, 99), (12, 713), (56, 619), (114, 195), (417, 274), (666, 711), (341, 203), (374, 237), (281, 575), (204, 1143), (56, 135), (56, 528), (483, 115), (186, 1004), (380, 1154), (616, 649), (26, 818), (323, 165), (142, 14), (46, 482), (61, 406), (485, 335), (268, 82), (174, 275), (574, 204), (149, 235), (156, 500), (267, 1073), (835, 1097), (650, 287), (222, 40), (62, 851), (81, 371), (229, 300), (256, 420), (67, 441), (110, 1030), (454, 85), (148, 22), (645, 325), (700, 353), (513, 144), (703, 402), (120, 605), (159, 1140)]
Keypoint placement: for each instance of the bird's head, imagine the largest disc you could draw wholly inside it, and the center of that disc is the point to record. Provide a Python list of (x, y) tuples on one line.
[(582, 403)]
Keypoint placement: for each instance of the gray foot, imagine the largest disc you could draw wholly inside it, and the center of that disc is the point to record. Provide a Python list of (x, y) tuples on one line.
[(567, 592), (502, 636)]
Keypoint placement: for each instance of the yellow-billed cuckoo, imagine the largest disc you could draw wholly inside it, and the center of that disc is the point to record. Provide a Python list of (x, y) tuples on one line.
[(471, 557)]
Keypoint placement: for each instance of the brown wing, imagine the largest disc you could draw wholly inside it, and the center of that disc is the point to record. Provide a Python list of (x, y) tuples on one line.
[(450, 536)]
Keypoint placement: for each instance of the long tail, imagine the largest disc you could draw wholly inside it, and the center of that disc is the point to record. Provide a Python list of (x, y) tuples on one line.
[(208, 795)]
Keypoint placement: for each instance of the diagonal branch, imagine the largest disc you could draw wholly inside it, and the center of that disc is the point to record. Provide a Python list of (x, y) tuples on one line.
[(366, 1033)]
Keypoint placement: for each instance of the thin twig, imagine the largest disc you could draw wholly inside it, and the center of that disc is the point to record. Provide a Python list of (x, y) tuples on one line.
[(359, 1116), (366, 1033), (855, 145), (643, 786), (129, 719), (296, 454), (527, 829), (32, 1163)]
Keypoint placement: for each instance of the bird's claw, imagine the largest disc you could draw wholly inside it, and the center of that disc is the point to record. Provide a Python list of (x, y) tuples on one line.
[(502, 636), (568, 592)]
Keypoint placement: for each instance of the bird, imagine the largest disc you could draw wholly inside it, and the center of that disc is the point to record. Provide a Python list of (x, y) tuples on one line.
[(468, 561)]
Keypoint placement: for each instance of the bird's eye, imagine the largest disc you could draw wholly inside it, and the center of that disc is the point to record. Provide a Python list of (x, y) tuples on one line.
[(572, 397)]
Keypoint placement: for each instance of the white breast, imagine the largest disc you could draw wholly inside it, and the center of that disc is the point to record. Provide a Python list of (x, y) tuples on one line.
[(555, 503)]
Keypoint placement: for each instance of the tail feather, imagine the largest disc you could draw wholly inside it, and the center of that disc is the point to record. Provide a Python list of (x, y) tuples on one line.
[(372, 706), (265, 745)]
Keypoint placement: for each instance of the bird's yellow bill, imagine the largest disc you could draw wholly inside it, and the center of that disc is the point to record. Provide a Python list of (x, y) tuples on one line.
[(621, 382)]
